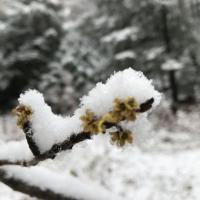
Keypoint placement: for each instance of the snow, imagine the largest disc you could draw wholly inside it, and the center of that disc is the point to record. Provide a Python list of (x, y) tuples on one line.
[(15, 151), (121, 35), (3, 26), (132, 84), (7, 193), (159, 177), (125, 54), (66, 185), (165, 166), (50, 128), (154, 52), (9, 129), (166, 170), (55, 2), (171, 64), (159, 170), (167, 2), (11, 8)]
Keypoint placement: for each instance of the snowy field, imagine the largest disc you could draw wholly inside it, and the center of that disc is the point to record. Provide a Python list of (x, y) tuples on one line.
[(166, 165)]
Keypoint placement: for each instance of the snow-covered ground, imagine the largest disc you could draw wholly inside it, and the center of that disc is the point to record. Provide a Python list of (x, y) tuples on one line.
[(166, 165)]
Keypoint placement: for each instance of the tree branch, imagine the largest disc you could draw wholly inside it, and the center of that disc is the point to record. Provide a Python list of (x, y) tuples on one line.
[(66, 144), (56, 148), (45, 184), (25, 163), (51, 153), (26, 188)]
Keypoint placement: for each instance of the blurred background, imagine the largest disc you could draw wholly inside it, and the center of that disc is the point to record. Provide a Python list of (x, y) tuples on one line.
[(64, 47)]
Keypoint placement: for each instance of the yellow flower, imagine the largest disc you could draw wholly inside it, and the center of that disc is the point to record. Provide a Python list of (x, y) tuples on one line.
[(131, 104), (100, 125), (23, 113), (112, 117), (88, 117), (91, 124), (119, 105), (122, 110), (121, 138), (126, 110)]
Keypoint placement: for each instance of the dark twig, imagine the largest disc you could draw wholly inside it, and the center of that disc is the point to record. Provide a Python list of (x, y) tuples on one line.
[(25, 163), (27, 128), (56, 148), (65, 145), (147, 105)]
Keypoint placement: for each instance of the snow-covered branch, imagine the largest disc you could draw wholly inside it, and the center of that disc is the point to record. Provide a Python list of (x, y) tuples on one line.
[(21, 186), (43, 183), (118, 108), (56, 148), (16, 153), (69, 142), (108, 109), (65, 145)]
